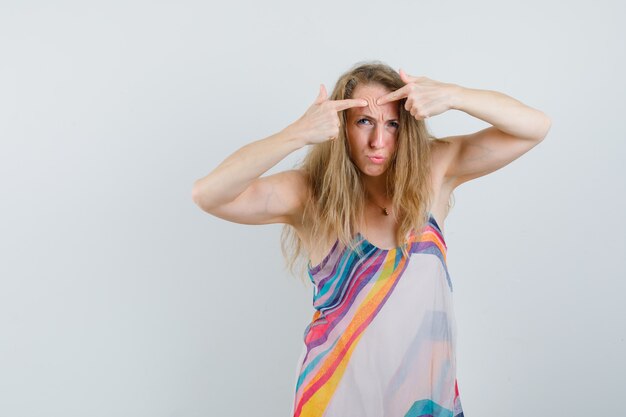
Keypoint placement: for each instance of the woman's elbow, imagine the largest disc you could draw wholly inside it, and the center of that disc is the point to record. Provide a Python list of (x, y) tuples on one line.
[(201, 197), (547, 125), (543, 127)]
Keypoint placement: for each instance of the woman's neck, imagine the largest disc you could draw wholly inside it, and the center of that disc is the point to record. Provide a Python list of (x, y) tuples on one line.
[(376, 188)]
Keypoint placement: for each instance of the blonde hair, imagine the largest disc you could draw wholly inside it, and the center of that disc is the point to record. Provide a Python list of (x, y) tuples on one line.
[(336, 200)]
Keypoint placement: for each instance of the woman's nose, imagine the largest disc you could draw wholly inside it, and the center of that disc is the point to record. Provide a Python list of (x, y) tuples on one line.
[(377, 137)]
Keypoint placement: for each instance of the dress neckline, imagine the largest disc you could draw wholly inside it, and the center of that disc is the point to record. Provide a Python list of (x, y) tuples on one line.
[(364, 239), (315, 268)]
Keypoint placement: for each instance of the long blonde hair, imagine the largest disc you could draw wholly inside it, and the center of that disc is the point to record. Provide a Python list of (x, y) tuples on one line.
[(336, 200)]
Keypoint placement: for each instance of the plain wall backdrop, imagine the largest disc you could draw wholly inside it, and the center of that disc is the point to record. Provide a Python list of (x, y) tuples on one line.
[(120, 297)]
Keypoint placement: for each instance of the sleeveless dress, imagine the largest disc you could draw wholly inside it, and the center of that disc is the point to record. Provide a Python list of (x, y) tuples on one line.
[(382, 340)]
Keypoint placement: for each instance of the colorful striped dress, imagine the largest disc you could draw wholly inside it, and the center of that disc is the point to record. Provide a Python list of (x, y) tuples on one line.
[(382, 339)]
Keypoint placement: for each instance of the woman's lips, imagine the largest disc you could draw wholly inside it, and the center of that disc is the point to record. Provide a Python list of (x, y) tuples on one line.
[(377, 159)]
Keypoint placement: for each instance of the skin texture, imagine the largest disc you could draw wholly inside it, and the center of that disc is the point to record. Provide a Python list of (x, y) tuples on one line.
[(372, 130)]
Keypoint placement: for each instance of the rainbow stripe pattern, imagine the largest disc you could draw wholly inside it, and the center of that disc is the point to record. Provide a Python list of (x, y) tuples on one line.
[(381, 342)]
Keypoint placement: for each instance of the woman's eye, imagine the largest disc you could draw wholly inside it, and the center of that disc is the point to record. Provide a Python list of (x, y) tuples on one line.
[(394, 124), (362, 121)]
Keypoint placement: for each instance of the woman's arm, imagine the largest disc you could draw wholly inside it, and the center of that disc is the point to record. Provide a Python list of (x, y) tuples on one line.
[(516, 128), (235, 174), (503, 112), (233, 190)]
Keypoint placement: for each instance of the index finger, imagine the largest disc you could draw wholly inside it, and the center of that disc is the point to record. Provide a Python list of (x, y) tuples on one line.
[(349, 103), (394, 95)]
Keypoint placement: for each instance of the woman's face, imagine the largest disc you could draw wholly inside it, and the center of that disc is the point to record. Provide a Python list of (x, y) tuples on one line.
[(372, 130)]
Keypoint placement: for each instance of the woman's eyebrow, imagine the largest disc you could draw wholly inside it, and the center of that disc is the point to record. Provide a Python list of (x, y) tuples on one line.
[(372, 117)]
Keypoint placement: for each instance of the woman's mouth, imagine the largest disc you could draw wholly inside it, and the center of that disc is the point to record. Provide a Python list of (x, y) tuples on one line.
[(376, 159)]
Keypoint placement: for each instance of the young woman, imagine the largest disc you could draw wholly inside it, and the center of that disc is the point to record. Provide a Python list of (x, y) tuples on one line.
[(366, 208)]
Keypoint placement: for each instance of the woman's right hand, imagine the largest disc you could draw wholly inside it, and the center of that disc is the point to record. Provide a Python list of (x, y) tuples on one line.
[(320, 122)]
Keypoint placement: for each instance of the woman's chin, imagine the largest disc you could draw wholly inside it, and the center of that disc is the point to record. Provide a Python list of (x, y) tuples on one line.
[(373, 172)]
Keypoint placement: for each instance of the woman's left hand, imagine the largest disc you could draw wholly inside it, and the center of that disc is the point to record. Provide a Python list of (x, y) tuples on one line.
[(424, 97)]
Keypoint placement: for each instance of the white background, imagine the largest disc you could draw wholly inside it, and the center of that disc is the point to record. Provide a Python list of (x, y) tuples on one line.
[(120, 297)]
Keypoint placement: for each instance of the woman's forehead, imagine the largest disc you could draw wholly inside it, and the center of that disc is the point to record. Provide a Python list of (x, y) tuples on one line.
[(370, 93), (371, 90)]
